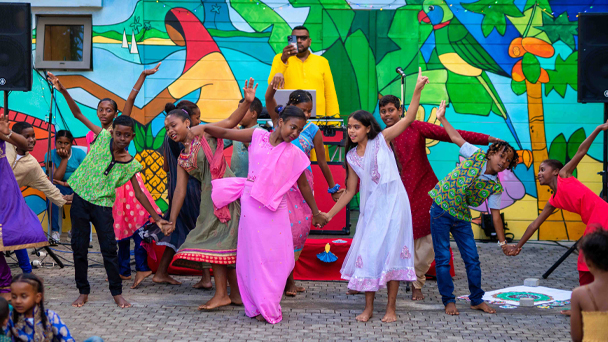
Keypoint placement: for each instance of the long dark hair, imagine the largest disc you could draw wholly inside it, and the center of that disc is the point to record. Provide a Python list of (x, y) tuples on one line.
[(36, 283), (366, 119)]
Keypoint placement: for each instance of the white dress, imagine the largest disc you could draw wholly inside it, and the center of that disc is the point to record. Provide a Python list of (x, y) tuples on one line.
[(383, 246)]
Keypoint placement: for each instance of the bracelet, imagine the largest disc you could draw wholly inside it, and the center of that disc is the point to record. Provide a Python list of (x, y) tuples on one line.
[(334, 189), (500, 244), (137, 90), (9, 135)]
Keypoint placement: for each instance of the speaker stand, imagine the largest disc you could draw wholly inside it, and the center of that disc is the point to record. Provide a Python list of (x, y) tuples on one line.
[(605, 168), (6, 103)]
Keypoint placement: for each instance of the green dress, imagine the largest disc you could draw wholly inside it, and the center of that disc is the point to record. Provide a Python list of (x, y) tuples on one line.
[(211, 241)]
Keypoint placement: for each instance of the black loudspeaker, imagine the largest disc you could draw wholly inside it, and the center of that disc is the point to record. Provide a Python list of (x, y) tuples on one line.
[(15, 46), (592, 57)]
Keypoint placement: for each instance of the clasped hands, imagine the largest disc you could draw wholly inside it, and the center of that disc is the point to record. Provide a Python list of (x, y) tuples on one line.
[(320, 219), (510, 250)]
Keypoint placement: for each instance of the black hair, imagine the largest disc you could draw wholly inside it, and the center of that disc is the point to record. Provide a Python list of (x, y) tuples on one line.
[(112, 102), (20, 126), (255, 106), (36, 283), (186, 105), (367, 119), (64, 133), (4, 310), (124, 120), (554, 164), (300, 27), (299, 96), (289, 112), (595, 248), (498, 146), (386, 99)]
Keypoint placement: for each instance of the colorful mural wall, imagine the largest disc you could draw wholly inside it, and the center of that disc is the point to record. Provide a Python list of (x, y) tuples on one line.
[(507, 67)]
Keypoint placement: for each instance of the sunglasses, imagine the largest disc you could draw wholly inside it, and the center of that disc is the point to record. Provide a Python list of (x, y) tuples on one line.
[(300, 37)]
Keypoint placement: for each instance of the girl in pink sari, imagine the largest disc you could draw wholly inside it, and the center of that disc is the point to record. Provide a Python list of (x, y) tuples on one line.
[(264, 256)]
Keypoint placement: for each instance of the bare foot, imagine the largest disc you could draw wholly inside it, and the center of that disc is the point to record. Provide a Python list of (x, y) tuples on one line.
[(80, 301), (122, 277), (390, 316), (260, 318), (139, 277), (121, 302), (365, 315), (352, 292), (300, 289), (203, 284), (291, 290), (450, 309), (215, 302), (235, 299), (417, 294), (165, 279), (483, 307), (565, 312)]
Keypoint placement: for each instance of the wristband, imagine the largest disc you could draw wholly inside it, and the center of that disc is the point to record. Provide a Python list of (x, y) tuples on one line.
[(9, 135), (500, 244), (334, 189)]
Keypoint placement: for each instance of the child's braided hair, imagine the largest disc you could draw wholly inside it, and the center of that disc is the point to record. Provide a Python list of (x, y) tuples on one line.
[(37, 284), (497, 147)]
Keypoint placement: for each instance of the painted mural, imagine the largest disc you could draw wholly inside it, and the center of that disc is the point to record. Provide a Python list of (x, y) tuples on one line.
[(507, 67)]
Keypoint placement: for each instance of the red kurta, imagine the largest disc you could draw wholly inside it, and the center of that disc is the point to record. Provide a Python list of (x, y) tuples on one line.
[(416, 172)]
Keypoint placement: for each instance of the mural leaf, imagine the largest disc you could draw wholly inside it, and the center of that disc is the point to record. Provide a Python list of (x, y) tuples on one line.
[(558, 147), (160, 138), (560, 29), (575, 141), (531, 67), (518, 87), (565, 74), (494, 12)]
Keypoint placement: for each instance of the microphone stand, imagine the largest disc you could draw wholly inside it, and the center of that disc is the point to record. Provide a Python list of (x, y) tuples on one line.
[(402, 95), (50, 167)]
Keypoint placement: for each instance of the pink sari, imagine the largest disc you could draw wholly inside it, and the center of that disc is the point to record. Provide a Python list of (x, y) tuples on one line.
[(264, 257)]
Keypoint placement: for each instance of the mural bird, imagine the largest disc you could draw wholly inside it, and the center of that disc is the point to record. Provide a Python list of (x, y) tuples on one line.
[(461, 53)]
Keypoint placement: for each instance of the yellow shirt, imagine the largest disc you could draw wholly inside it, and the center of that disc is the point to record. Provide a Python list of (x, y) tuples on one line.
[(313, 73)]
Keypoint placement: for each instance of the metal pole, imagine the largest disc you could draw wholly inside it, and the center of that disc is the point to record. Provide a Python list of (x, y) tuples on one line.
[(6, 102), (50, 166), (605, 168), (402, 96)]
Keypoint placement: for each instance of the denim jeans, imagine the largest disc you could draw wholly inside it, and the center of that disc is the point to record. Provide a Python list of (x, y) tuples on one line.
[(124, 256), (55, 209), (24, 260), (442, 224)]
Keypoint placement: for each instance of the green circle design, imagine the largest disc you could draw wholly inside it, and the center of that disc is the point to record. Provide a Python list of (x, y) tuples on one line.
[(516, 296)]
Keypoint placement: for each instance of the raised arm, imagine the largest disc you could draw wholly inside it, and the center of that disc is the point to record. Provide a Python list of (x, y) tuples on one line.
[(435, 132), (239, 113), (9, 136), (271, 104), (136, 88), (454, 135), (394, 131), (243, 135), (73, 106), (569, 168)]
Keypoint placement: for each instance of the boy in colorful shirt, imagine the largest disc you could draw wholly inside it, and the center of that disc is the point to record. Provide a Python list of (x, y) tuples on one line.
[(418, 178), (471, 183)]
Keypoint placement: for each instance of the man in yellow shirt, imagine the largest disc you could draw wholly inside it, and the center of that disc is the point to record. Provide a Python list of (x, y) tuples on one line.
[(301, 69)]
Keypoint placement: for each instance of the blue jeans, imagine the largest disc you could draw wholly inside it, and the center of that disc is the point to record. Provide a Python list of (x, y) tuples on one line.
[(94, 339), (55, 209), (442, 224), (124, 256), (24, 260)]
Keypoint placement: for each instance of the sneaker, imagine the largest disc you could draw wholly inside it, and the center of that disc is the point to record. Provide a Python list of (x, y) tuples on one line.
[(56, 236)]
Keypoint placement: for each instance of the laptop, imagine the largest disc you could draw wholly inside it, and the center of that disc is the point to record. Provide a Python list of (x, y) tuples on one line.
[(282, 97)]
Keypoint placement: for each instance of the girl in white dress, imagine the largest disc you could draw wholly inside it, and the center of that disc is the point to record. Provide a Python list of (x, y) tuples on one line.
[(382, 251)]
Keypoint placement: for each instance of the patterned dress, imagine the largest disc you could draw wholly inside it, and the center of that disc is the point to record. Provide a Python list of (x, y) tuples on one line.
[(33, 330), (300, 214), (211, 242), (383, 246)]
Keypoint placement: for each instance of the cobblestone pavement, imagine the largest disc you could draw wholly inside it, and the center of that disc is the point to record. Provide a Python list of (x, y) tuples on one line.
[(323, 312)]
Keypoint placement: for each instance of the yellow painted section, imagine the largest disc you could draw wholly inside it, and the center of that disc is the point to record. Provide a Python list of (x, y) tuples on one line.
[(105, 40), (220, 93), (453, 62)]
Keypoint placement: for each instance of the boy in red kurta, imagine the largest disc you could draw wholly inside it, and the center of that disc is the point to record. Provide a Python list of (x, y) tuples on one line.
[(418, 178)]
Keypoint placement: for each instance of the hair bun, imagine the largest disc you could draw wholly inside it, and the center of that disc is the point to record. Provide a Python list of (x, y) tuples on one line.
[(169, 107)]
